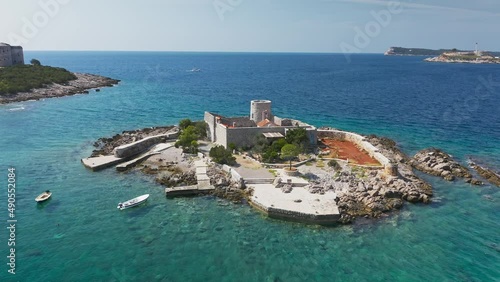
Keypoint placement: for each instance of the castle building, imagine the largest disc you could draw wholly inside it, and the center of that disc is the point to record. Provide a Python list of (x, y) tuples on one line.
[(243, 131), (11, 55)]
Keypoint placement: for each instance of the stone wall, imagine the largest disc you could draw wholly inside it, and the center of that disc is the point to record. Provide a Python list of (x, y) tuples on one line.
[(11, 55), (5, 56), (296, 216), (211, 121), (17, 55), (132, 149), (363, 144)]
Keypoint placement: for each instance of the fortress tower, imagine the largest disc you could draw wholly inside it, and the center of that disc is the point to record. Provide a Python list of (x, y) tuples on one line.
[(260, 110), (11, 55)]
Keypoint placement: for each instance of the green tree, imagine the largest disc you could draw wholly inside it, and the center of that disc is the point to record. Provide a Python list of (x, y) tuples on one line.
[(298, 137), (183, 124), (35, 62), (289, 152), (221, 155), (186, 139)]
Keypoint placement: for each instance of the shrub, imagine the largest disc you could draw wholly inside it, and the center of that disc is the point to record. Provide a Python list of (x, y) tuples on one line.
[(334, 164), (221, 155)]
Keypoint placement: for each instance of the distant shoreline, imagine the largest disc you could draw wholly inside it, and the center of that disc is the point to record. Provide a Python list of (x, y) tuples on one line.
[(81, 85)]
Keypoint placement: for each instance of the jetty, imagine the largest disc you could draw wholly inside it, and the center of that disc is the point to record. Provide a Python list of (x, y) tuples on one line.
[(287, 198)]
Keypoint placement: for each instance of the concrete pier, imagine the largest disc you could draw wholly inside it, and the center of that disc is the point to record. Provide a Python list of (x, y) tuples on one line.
[(99, 163), (187, 191), (132, 163), (298, 205)]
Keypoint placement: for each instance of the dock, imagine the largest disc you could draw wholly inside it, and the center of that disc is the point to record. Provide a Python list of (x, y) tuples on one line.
[(100, 163)]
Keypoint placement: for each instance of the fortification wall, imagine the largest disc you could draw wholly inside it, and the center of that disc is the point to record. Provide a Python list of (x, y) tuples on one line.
[(210, 119), (17, 55), (132, 149), (361, 142), (246, 136), (5, 56)]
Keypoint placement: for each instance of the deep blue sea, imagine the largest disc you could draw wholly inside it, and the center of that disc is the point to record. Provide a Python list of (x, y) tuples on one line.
[(79, 235)]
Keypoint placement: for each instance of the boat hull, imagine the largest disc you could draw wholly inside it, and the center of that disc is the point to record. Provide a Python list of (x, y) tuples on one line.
[(133, 202), (43, 197)]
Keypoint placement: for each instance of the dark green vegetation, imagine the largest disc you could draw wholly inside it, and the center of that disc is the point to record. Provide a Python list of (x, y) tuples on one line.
[(289, 152), (23, 78), (272, 152), (334, 164), (191, 132), (221, 155)]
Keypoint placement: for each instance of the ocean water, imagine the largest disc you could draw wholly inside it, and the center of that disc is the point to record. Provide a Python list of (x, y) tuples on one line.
[(79, 235)]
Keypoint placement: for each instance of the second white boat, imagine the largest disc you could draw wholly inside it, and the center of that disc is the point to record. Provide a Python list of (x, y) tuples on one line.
[(133, 202)]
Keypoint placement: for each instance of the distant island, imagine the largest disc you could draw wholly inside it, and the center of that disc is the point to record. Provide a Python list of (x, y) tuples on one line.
[(20, 82), (448, 55), (34, 82)]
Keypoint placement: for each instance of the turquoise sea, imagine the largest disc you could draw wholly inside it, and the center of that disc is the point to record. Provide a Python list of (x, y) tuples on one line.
[(79, 235)]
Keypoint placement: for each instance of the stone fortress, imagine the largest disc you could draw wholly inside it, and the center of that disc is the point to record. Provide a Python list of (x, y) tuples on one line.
[(11, 55), (243, 131)]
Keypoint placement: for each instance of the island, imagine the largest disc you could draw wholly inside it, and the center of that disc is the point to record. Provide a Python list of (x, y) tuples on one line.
[(284, 168), (20, 82), (448, 55)]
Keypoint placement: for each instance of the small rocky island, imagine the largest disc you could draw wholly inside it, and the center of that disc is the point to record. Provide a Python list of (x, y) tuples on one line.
[(285, 168)]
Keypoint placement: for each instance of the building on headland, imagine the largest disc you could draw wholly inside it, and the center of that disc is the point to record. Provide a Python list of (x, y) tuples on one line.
[(11, 55), (243, 131)]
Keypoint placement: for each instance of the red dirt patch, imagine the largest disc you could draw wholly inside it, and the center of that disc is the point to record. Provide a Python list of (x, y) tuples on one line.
[(346, 150)]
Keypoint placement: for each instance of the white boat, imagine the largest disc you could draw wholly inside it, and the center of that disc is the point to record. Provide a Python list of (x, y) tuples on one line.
[(43, 197), (133, 202)]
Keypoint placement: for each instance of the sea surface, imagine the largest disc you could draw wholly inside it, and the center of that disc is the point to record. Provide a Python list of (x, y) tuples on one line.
[(79, 235)]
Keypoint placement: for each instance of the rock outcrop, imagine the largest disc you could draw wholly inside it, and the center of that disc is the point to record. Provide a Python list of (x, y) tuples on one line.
[(225, 187), (488, 174), (438, 163)]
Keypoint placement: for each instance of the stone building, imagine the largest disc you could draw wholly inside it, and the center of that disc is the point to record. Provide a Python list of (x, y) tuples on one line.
[(11, 55), (243, 131)]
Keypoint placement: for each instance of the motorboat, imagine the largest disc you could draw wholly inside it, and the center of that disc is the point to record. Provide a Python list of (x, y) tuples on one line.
[(133, 202), (43, 197)]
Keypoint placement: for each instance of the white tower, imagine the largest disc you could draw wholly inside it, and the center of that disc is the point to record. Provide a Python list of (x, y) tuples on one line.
[(260, 110), (477, 49)]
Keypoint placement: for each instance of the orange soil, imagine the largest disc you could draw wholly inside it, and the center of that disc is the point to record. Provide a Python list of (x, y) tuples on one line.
[(341, 149)]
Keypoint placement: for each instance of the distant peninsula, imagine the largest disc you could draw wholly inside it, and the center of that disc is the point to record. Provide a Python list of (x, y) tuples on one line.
[(448, 55), (34, 82)]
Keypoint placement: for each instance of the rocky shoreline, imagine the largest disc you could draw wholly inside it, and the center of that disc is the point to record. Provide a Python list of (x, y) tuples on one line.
[(443, 59), (361, 191), (81, 85)]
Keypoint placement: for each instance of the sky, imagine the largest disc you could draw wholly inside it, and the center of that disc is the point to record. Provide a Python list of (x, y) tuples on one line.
[(334, 26)]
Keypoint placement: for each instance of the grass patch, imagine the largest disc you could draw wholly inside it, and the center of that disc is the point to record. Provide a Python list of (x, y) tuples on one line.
[(273, 172)]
